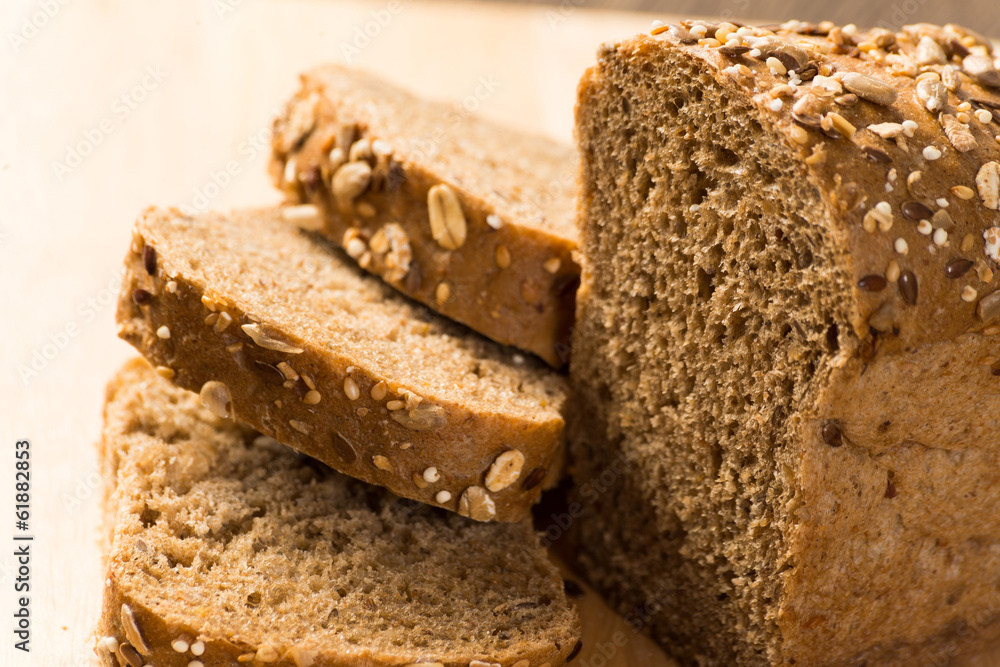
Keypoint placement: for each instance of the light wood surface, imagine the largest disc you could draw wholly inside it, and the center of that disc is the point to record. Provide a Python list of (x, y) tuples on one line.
[(170, 103)]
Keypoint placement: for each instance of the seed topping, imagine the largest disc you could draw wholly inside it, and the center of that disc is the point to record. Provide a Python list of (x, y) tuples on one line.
[(831, 435), (447, 220), (476, 504), (872, 283), (908, 287), (505, 470), (957, 268), (216, 397), (131, 628)]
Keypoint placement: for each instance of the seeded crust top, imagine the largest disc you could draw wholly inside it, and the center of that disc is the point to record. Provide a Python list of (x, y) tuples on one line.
[(900, 134), (524, 179)]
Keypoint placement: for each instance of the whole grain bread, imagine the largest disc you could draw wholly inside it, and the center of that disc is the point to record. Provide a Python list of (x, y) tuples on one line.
[(468, 217), (276, 327), (229, 548), (786, 352)]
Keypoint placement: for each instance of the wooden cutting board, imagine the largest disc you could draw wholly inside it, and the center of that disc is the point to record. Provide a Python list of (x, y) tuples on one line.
[(110, 106)]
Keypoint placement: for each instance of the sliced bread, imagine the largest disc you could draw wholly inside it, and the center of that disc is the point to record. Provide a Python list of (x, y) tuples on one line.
[(278, 329), (229, 548), (468, 217), (786, 344)]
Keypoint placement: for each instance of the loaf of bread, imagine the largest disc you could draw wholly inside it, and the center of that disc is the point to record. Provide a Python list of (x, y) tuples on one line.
[(470, 218), (278, 329), (229, 548), (786, 428)]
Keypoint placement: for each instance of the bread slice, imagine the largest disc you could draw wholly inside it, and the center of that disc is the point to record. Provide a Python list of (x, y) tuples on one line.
[(229, 548), (497, 254), (279, 329), (786, 345)]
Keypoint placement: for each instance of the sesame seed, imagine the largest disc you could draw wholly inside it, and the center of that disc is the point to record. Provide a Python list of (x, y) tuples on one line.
[(395, 405), (909, 128), (754, 53), (963, 118), (442, 293), (698, 31), (900, 246), (552, 264), (799, 135), (983, 116), (163, 332), (165, 372), (224, 320), (208, 303), (503, 257), (379, 391), (963, 192), (942, 202), (300, 426), (431, 475), (406, 445), (287, 370), (940, 237), (172, 286), (931, 153), (925, 227), (111, 643), (964, 106), (312, 397), (892, 271), (381, 462), (967, 242), (211, 319), (351, 388), (969, 294), (775, 104), (180, 645), (355, 248), (494, 221), (196, 663), (776, 66), (309, 381), (442, 497), (198, 648)]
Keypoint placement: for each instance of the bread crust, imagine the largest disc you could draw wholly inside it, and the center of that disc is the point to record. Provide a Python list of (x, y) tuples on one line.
[(354, 433), (887, 553), (513, 278)]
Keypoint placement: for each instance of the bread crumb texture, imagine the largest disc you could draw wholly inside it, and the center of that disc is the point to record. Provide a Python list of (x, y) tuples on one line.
[(785, 360), (228, 544)]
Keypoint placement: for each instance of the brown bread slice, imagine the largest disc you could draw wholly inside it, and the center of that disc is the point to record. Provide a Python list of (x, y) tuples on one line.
[(788, 378), (229, 548), (502, 264), (276, 326)]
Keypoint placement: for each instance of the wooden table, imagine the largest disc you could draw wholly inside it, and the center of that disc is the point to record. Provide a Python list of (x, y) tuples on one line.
[(110, 106)]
